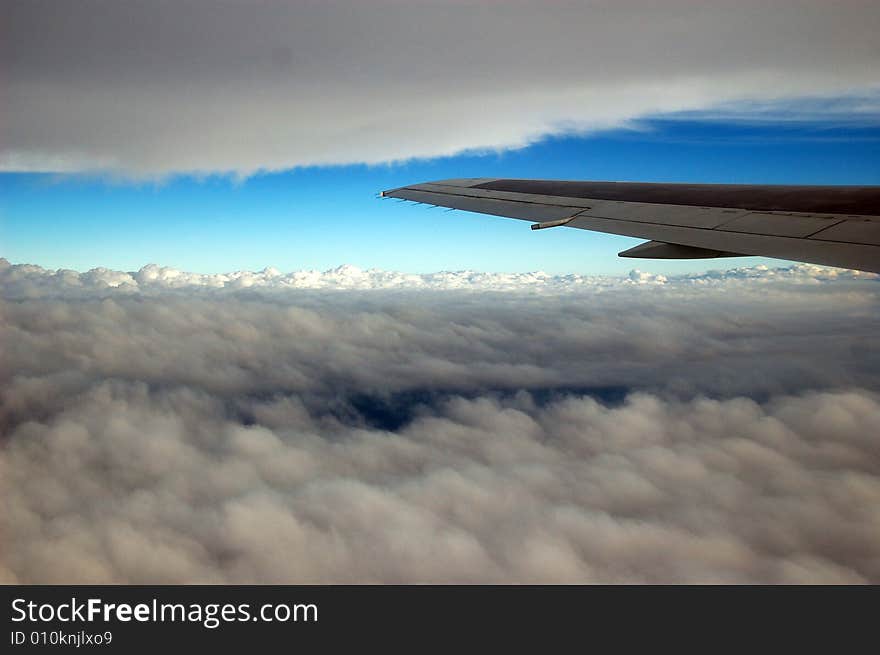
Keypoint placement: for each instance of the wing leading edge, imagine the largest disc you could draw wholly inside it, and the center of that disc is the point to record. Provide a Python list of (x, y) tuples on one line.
[(830, 225)]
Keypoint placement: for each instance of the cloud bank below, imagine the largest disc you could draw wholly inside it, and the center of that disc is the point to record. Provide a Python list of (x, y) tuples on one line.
[(171, 427)]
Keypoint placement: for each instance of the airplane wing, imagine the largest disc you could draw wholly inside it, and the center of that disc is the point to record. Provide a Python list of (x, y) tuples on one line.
[(830, 225)]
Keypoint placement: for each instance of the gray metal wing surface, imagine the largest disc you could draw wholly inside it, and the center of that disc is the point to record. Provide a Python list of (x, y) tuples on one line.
[(829, 225)]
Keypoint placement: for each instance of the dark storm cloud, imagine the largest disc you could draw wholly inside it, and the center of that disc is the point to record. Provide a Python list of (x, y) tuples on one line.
[(169, 427), (148, 88)]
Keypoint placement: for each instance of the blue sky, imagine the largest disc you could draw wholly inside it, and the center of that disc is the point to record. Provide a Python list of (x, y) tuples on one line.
[(321, 217)]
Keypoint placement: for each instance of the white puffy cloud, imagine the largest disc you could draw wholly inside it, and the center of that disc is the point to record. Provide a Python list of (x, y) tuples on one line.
[(370, 426), (31, 281), (146, 88), (128, 485)]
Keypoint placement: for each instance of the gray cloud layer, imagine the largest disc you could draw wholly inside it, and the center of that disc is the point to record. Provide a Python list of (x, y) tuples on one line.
[(149, 88), (708, 428)]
